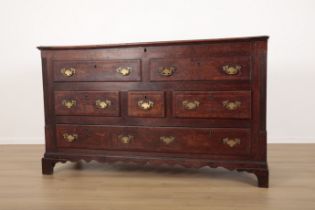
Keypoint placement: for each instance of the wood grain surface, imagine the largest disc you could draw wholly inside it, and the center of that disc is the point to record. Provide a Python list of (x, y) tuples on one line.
[(196, 85)]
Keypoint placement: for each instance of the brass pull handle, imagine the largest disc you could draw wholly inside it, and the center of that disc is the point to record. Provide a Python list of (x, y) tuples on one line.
[(124, 71), (145, 104), (125, 139), (229, 105), (167, 139), (68, 72), (190, 105), (70, 137), (231, 70), (167, 71), (103, 104), (231, 142), (69, 103)]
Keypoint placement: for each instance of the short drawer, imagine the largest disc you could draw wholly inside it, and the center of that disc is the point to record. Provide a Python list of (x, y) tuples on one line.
[(100, 103), (106, 70), (146, 104), (83, 137), (225, 141), (214, 104), (202, 68)]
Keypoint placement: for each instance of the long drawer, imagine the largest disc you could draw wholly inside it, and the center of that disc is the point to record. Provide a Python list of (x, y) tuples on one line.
[(229, 141), (104, 70), (200, 68)]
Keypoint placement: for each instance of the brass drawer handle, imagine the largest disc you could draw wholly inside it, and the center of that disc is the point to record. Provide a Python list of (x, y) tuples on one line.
[(167, 139), (231, 70), (70, 137), (125, 139), (68, 72), (124, 71), (167, 71), (102, 104), (69, 103), (229, 105), (231, 142), (145, 104), (190, 105)]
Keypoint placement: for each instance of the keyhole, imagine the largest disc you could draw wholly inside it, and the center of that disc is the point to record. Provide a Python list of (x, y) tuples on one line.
[(145, 97), (95, 66), (211, 133), (145, 49), (86, 132)]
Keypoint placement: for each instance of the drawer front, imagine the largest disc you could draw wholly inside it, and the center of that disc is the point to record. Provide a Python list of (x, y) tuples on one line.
[(146, 104), (226, 141), (216, 104), (83, 137), (182, 140), (203, 68), (101, 103), (109, 70)]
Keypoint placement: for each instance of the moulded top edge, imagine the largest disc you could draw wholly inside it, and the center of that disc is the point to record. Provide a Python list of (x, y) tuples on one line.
[(159, 43)]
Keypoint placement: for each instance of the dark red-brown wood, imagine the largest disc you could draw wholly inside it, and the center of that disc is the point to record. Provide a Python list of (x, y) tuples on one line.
[(213, 104), (135, 98), (94, 70), (152, 139), (86, 103), (200, 136), (199, 68)]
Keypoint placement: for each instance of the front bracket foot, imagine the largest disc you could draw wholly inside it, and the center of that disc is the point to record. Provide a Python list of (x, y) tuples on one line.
[(262, 178), (48, 166)]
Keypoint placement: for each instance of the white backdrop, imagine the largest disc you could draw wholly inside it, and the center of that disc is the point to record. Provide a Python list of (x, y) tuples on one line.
[(27, 24)]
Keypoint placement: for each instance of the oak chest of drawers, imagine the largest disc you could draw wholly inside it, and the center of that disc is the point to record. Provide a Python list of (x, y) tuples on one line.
[(191, 103)]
